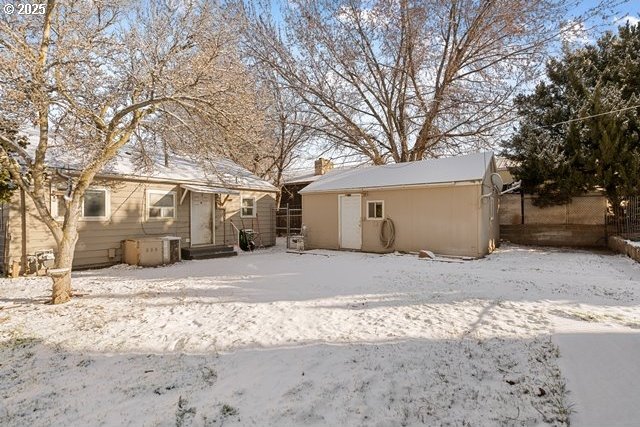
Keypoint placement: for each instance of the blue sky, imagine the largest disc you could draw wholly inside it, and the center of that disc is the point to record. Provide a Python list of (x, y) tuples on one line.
[(630, 8), (593, 28)]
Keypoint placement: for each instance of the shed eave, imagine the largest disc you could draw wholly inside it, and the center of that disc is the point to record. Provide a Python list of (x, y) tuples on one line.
[(394, 187)]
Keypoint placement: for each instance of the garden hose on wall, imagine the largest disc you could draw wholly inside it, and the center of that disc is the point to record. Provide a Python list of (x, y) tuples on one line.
[(387, 240)]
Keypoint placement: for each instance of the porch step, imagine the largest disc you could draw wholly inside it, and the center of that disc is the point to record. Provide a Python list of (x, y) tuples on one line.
[(208, 252)]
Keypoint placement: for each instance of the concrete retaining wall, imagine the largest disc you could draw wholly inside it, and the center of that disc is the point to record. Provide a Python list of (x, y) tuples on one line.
[(583, 210), (618, 244), (555, 235)]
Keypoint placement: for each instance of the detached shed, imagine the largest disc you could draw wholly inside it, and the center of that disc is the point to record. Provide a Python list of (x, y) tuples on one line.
[(447, 205)]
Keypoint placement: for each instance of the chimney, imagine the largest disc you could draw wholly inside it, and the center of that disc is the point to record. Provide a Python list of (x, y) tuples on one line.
[(323, 166)]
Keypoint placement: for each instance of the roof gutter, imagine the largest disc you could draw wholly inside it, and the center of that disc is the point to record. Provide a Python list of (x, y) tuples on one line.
[(169, 181)]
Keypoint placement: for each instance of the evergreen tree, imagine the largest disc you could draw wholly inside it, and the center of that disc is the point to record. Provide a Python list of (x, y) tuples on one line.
[(9, 128), (580, 130)]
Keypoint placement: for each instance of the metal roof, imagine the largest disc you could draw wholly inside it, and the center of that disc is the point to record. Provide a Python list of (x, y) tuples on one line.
[(219, 172), (471, 167)]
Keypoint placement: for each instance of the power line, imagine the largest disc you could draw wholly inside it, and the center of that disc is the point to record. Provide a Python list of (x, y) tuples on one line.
[(356, 162), (590, 117)]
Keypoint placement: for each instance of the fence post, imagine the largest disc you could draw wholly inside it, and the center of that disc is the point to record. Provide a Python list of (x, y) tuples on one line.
[(288, 226), (606, 225), (522, 207), (23, 237), (631, 213)]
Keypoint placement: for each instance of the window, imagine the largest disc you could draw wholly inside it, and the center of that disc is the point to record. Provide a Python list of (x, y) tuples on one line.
[(375, 209), (95, 205), (58, 206), (161, 204), (248, 206)]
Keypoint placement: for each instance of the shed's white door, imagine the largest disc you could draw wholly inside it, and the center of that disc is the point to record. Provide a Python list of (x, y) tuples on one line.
[(350, 222), (201, 218)]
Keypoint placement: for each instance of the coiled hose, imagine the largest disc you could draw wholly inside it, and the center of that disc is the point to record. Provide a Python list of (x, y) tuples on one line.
[(387, 240)]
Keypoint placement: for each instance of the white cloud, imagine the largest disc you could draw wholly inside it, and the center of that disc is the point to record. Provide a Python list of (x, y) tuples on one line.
[(632, 20), (575, 32), (365, 16)]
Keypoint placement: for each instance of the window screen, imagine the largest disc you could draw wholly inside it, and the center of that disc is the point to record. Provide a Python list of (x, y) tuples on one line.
[(375, 210), (161, 205), (60, 208), (248, 206), (95, 204)]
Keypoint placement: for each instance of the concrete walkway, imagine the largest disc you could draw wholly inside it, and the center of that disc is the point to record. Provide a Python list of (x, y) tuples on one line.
[(602, 367)]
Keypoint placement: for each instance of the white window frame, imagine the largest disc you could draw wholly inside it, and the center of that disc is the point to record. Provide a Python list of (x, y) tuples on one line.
[(164, 193), (371, 217), (254, 209), (107, 207), (54, 206)]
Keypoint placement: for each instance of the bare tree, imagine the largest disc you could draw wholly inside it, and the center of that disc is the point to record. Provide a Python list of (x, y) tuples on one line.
[(289, 127), (276, 125), (398, 80), (235, 131), (94, 74)]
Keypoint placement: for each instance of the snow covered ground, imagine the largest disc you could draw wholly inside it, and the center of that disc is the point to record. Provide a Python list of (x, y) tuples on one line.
[(601, 366), (326, 338), (633, 242)]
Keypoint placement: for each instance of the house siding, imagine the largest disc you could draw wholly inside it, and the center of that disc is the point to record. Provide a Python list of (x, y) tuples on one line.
[(127, 220), (263, 222)]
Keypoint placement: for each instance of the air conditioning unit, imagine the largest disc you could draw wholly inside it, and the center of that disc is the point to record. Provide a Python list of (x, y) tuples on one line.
[(151, 251)]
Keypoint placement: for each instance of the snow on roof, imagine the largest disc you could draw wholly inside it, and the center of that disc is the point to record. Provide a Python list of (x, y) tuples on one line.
[(302, 179), (217, 172), (312, 177), (502, 163), (471, 167)]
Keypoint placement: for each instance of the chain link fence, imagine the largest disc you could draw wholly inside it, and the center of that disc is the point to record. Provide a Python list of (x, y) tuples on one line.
[(288, 222), (624, 219), (4, 219)]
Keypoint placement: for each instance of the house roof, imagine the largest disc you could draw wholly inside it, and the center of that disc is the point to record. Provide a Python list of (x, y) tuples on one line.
[(302, 179), (471, 167), (312, 177), (502, 163), (218, 172)]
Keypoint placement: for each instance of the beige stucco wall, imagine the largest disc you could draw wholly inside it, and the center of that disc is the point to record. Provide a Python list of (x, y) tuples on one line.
[(320, 216), (446, 220), (128, 220)]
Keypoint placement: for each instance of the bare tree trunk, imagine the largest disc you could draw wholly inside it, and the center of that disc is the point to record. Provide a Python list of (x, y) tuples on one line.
[(64, 260), (61, 288)]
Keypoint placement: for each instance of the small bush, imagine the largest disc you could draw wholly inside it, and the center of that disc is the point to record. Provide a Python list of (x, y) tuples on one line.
[(228, 410)]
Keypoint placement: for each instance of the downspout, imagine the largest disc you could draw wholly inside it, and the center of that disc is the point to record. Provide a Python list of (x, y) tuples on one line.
[(23, 220), (224, 226), (480, 220)]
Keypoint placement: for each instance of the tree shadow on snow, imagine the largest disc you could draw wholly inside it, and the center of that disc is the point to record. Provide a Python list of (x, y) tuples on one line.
[(411, 382)]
